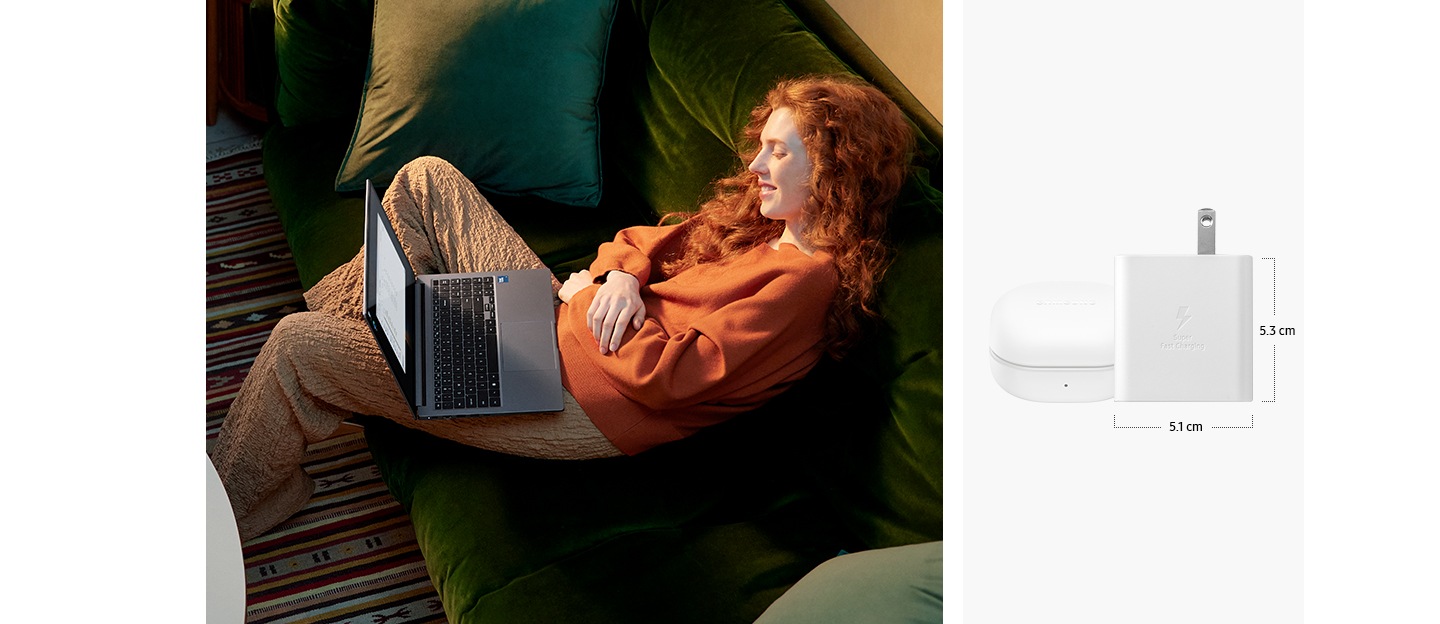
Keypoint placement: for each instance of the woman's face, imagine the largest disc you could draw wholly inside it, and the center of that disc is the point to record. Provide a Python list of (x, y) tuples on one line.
[(783, 169)]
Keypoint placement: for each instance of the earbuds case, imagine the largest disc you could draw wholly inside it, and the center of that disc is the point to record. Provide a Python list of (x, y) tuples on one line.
[(1054, 342)]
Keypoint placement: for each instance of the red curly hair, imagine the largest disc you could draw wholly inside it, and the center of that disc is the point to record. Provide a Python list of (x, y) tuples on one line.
[(859, 145)]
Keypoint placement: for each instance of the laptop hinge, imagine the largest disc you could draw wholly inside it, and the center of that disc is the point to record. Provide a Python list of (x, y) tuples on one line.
[(420, 295)]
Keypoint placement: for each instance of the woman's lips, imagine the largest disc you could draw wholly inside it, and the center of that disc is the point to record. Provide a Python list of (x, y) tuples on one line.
[(766, 190)]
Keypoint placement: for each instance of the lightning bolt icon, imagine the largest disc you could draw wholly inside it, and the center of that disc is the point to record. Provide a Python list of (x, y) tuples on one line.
[(1183, 316)]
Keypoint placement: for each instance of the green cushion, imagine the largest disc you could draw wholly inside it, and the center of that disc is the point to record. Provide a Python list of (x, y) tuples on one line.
[(708, 529), (504, 90), (324, 229), (321, 48), (896, 496)]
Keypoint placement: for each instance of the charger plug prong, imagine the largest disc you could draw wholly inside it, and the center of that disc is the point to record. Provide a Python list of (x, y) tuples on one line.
[(1206, 231)]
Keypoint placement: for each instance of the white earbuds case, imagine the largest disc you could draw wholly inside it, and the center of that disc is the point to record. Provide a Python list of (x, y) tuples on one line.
[(1054, 342)]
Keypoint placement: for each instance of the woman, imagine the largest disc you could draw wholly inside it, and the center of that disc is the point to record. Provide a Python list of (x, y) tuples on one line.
[(672, 328)]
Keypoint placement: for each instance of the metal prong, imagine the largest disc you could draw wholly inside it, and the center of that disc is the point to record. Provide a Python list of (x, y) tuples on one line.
[(1205, 226)]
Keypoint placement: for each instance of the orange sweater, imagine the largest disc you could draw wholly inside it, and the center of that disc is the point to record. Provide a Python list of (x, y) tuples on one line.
[(718, 339)]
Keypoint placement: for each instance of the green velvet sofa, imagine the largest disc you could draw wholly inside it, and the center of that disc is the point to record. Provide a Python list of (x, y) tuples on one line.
[(710, 529)]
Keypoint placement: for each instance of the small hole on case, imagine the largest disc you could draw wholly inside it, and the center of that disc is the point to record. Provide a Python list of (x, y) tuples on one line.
[(1207, 221)]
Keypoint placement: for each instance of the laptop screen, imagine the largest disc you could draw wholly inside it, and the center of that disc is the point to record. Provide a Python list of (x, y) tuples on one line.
[(390, 286)]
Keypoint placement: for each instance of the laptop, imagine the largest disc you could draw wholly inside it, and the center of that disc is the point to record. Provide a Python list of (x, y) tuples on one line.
[(460, 344)]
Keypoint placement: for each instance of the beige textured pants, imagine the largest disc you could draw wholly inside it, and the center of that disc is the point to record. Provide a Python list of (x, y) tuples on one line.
[(319, 367)]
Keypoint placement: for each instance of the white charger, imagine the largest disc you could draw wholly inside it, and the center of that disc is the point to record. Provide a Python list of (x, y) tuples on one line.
[(1054, 342), (1183, 323)]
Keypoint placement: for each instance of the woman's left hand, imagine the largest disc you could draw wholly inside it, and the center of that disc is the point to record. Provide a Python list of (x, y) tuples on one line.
[(578, 281), (617, 305)]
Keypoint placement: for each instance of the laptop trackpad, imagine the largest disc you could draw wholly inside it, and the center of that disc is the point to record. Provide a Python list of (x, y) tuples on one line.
[(527, 346)]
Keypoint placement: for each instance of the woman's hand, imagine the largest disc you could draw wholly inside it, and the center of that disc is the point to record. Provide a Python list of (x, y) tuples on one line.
[(616, 305), (578, 281)]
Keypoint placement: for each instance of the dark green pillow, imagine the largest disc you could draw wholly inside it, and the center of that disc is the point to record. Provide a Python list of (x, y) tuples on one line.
[(321, 48), (504, 90)]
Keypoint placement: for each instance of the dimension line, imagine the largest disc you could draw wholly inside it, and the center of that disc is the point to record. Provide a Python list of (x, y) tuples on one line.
[(1115, 424), (1252, 425), (1274, 286), (1274, 375)]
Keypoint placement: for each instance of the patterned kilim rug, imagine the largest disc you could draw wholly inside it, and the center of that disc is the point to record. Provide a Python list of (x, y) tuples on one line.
[(350, 555)]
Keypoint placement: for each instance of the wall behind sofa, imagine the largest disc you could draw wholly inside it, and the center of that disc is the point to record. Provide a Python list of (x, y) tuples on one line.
[(907, 36)]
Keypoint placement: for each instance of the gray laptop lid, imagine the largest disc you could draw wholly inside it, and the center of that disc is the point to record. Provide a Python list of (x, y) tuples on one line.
[(399, 309)]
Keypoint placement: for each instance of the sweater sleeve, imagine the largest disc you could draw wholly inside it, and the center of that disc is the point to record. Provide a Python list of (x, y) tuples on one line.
[(637, 250), (738, 351)]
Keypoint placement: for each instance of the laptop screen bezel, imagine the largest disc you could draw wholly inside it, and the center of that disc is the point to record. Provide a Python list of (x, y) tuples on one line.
[(404, 374)]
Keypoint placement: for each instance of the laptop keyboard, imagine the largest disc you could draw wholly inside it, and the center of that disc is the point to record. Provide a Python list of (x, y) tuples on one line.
[(467, 364)]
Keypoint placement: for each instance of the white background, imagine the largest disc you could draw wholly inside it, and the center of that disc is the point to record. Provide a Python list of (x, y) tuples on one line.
[(1367, 218), (1094, 129)]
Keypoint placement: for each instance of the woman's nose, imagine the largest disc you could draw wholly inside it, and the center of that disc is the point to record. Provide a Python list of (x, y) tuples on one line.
[(755, 166)]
